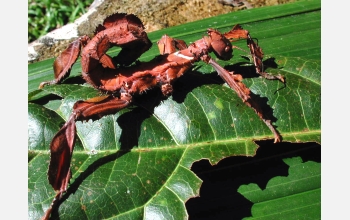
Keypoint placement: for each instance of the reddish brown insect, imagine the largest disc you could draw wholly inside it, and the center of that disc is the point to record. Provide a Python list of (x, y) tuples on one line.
[(121, 82)]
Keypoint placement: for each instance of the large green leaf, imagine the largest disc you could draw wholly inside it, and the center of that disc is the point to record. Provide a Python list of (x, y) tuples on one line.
[(136, 164)]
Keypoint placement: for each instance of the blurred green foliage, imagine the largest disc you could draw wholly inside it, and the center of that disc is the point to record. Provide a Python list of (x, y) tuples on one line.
[(47, 15)]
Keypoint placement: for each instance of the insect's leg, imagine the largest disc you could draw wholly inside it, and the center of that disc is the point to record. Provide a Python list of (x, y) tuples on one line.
[(234, 81), (171, 70), (61, 149), (64, 62), (167, 45), (62, 144), (98, 107), (236, 33), (257, 56)]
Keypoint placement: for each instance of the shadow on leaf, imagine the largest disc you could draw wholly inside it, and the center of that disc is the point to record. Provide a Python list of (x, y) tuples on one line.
[(219, 198)]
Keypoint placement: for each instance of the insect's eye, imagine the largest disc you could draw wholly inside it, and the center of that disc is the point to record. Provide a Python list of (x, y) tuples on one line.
[(227, 49)]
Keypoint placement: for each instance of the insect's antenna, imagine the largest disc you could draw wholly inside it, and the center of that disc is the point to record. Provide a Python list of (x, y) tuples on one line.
[(238, 48)]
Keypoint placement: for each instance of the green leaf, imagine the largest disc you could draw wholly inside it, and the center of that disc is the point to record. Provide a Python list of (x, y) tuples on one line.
[(136, 164)]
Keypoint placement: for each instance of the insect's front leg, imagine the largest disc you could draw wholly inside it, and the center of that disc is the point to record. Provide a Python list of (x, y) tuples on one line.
[(257, 56), (236, 33), (234, 81)]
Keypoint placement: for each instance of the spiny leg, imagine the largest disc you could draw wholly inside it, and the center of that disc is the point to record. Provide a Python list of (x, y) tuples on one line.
[(64, 62), (236, 33), (234, 81), (257, 55), (62, 144), (167, 45)]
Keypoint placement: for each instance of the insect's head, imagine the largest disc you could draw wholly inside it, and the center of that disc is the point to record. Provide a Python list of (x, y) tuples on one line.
[(220, 45)]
